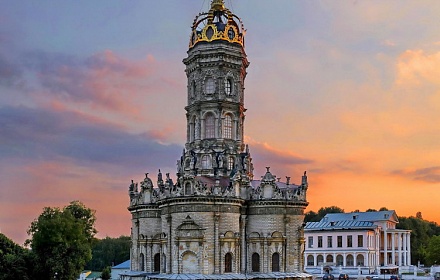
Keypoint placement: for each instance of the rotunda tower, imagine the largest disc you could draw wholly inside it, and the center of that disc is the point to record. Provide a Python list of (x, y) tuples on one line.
[(216, 70)]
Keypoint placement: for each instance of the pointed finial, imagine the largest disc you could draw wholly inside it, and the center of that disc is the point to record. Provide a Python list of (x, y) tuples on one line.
[(218, 5), (267, 167)]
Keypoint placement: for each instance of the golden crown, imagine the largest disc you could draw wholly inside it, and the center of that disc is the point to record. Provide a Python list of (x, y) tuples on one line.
[(218, 23)]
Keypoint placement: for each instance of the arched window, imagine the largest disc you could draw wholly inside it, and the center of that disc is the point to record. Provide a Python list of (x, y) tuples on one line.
[(188, 189), (193, 88), (275, 262), (339, 260), (228, 262), (209, 86), (255, 262), (228, 86), (227, 127), (206, 162), (231, 163), (142, 262), (310, 261), (329, 258), (320, 260), (350, 260), (360, 260), (157, 262), (209, 126)]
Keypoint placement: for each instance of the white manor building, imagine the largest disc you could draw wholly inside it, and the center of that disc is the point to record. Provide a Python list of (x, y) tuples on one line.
[(357, 243)]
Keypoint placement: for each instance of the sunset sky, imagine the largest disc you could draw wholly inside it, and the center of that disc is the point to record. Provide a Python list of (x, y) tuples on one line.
[(92, 95)]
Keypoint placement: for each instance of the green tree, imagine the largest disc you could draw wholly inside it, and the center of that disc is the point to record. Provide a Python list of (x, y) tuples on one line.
[(433, 250), (14, 260), (109, 251), (61, 241), (106, 273), (316, 217), (421, 232)]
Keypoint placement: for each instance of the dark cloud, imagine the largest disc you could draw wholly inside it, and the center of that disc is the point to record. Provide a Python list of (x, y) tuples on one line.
[(48, 135), (428, 174)]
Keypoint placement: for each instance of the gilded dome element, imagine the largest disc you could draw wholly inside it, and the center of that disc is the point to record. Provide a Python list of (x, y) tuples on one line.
[(218, 23)]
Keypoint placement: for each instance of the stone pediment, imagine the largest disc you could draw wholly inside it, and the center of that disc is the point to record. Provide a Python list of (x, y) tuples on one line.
[(189, 229)]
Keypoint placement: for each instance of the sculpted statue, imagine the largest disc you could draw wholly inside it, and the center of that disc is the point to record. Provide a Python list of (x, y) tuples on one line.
[(146, 183), (179, 166)]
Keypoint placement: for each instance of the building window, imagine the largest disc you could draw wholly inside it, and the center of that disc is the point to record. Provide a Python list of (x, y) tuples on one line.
[(310, 261), (360, 241), (228, 86), (157, 262), (275, 262), (255, 262), (188, 189), (329, 242), (320, 260), (339, 260), (231, 163), (206, 162), (227, 127), (209, 86), (193, 89), (349, 241), (360, 260), (350, 260), (141, 262), (228, 262), (329, 259), (209, 126), (339, 241), (310, 242), (319, 241)]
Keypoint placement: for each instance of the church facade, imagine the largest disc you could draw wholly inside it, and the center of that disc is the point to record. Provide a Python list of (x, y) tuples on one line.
[(216, 220)]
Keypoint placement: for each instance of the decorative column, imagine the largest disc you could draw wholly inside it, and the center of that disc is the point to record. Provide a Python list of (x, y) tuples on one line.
[(216, 244), (168, 259), (367, 260), (147, 255), (405, 250), (385, 247), (265, 266), (151, 258), (243, 250), (408, 245), (400, 248), (393, 248)]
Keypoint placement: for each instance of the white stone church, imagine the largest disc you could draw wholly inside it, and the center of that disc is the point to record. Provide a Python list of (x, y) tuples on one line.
[(216, 221)]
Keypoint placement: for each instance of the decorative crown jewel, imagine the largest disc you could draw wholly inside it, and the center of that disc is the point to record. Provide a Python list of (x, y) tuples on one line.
[(218, 23)]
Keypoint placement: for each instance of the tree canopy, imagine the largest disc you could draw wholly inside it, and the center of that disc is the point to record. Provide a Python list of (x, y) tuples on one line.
[(312, 216), (108, 252), (61, 241), (14, 260)]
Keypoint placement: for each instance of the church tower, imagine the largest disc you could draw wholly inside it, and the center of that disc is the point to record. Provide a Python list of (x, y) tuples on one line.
[(216, 221), (216, 70)]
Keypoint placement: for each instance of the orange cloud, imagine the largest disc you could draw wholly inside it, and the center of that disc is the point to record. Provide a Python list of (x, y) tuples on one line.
[(415, 67)]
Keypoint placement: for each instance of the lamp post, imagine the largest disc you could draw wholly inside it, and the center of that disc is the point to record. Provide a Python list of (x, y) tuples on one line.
[(55, 276)]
